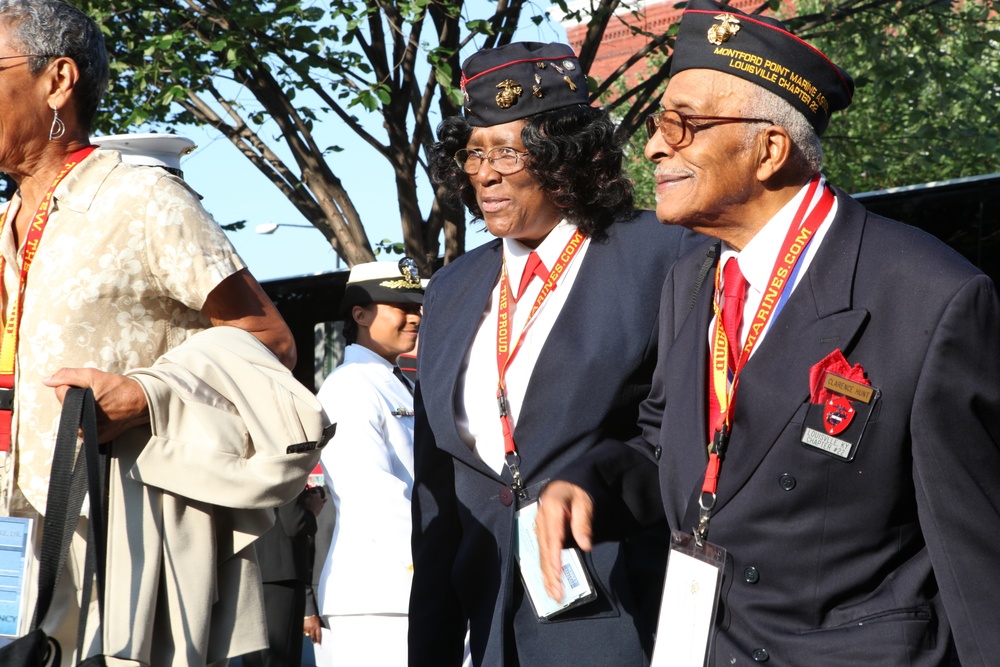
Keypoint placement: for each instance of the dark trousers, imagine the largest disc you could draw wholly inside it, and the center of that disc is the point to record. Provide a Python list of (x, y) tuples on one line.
[(285, 607)]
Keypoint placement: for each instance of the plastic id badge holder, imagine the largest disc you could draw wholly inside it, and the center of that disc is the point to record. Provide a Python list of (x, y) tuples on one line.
[(690, 599), (577, 586)]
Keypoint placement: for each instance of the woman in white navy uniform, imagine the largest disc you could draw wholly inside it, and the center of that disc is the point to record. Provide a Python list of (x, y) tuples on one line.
[(365, 582)]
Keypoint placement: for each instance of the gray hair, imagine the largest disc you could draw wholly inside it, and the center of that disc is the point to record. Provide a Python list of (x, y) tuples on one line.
[(807, 154), (56, 28)]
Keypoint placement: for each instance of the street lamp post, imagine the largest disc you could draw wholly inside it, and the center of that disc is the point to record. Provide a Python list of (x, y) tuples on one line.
[(272, 227)]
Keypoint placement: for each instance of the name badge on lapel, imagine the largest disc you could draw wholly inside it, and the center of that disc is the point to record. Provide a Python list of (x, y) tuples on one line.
[(841, 404)]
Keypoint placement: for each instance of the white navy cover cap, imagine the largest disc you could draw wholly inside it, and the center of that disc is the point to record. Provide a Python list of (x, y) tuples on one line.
[(382, 282), (153, 150)]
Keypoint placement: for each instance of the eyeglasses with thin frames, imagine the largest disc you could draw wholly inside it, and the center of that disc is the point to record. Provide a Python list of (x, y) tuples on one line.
[(29, 55), (503, 159), (674, 126)]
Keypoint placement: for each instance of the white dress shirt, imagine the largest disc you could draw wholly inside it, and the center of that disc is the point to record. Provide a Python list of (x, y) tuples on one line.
[(478, 418), (758, 256)]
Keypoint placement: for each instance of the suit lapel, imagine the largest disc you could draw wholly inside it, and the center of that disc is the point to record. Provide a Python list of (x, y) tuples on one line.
[(460, 319), (575, 335), (556, 356), (684, 370), (817, 319)]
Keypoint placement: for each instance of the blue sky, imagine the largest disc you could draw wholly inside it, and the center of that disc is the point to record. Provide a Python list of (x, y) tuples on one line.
[(234, 190)]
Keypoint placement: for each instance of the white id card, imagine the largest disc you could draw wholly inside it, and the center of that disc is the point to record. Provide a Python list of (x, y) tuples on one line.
[(690, 597), (576, 584), (16, 537)]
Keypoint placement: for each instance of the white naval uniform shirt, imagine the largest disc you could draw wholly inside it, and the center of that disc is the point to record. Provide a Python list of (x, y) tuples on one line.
[(758, 256), (478, 418), (368, 467)]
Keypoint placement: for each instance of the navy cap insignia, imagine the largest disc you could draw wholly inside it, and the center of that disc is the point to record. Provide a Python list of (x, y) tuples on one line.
[(411, 276)]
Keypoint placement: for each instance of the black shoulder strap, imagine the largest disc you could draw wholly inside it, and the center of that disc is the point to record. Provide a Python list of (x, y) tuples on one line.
[(68, 485), (67, 488), (710, 259), (94, 564)]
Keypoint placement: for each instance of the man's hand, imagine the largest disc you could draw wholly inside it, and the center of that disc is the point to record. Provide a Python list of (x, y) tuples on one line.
[(312, 629), (121, 403), (561, 505), (313, 500)]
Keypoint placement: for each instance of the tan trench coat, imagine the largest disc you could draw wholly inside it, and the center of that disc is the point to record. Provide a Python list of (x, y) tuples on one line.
[(188, 498)]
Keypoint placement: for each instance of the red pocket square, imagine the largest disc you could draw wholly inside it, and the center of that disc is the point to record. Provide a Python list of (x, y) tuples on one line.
[(837, 364)]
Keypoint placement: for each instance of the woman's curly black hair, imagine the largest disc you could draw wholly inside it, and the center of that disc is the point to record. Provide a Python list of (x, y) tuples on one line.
[(574, 155)]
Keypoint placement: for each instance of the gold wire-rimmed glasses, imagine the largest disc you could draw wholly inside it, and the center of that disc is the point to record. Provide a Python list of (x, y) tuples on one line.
[(503, 159)]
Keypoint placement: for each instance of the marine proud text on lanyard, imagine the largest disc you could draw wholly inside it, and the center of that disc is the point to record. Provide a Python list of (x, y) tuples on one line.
[(724, 380), (505, 353), (8, 341)]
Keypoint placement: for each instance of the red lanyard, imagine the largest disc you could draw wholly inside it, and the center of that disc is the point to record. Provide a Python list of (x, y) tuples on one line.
[(800, 233), (8, 341), (506, 353)]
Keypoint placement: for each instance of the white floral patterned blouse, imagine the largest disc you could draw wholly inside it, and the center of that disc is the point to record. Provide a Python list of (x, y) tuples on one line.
[(126, 261)]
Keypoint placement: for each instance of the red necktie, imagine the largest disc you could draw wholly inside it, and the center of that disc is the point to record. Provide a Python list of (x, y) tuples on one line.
[(532, 268), (734, 289)]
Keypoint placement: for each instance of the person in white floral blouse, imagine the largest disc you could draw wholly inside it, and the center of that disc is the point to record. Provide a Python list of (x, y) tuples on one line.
[(105, 266)]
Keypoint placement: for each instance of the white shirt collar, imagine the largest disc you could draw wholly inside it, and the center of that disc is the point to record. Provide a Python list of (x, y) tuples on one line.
[(359, 354), (758, 256), (516, 253)]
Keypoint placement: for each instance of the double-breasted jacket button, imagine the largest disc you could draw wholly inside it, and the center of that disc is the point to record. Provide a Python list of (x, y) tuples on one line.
[(751, 575), (657, 451), (506, 496), (787, 482), (760, 655)]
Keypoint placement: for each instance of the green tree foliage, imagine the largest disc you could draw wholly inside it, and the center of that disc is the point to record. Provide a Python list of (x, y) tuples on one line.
[(927, 91), (268, 73)]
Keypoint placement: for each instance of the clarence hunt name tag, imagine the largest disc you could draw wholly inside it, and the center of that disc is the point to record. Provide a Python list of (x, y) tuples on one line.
[(690, 598), (835, 426), (15, 540)]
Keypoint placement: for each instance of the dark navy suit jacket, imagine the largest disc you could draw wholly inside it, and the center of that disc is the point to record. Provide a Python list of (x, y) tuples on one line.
[(890, 559), (591, 375)]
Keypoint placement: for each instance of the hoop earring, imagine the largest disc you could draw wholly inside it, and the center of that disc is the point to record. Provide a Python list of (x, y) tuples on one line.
[(58, 127)]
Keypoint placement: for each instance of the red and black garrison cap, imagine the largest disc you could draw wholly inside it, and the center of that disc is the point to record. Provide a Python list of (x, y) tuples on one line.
[(521, 79), (759, 49)]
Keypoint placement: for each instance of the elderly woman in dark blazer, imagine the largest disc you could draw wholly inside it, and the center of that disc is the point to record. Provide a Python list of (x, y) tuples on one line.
[(533, 346)]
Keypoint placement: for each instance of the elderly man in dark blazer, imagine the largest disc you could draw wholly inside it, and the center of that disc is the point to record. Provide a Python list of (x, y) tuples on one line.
[(851, 478), (542, 168)]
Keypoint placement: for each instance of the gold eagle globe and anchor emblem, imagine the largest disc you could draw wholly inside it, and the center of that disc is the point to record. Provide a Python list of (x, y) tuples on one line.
[(509, 92), (722, 32)]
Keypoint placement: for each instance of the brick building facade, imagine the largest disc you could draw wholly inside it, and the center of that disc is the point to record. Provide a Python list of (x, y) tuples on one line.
[(621, 42)]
